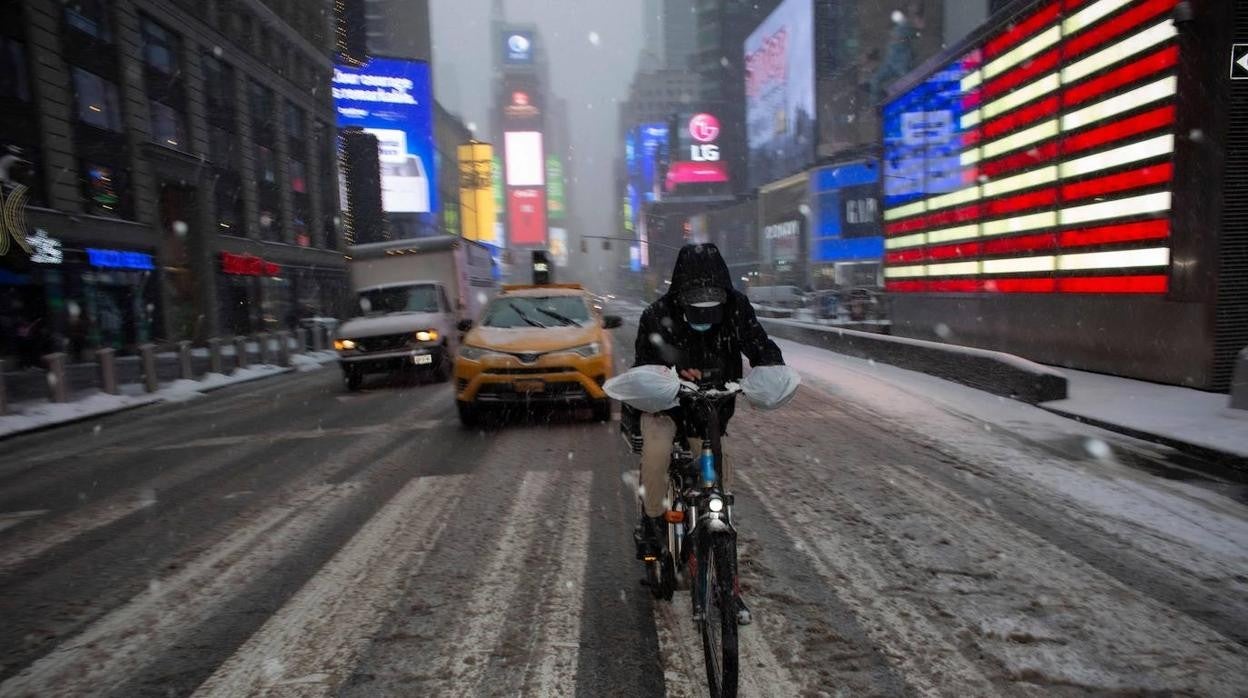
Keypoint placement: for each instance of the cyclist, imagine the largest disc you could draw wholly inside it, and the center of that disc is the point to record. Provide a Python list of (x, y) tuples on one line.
[(700, 327)]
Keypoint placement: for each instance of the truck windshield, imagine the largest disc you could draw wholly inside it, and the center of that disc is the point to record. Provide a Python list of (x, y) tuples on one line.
[(399, 299), (536, 311)]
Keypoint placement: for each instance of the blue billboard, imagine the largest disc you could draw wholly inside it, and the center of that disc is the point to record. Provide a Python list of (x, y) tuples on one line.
[(392, 99), (846, 213)]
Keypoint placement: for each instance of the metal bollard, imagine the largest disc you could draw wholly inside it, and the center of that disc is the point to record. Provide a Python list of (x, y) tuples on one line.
[(58, 389), (107, 359), (215, 362), (240, 352), (147, 356), (301, 340), (184, 361), (4, 395), (318, 338), (262, 340), (283, 349)]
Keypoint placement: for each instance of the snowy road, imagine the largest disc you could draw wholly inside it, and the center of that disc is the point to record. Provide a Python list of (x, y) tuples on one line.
[(900, 536)]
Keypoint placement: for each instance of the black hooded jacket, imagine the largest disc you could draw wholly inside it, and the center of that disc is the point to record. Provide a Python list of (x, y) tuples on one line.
[(664, 337)]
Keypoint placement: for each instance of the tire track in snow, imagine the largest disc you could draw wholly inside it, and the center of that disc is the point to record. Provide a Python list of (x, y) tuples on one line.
[(312, 643), (922, 653)]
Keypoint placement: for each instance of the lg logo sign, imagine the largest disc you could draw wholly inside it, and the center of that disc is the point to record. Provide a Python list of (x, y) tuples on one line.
[(704, 128)]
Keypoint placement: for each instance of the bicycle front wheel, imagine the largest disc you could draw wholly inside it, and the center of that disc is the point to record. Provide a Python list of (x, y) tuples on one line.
[(717, 589)]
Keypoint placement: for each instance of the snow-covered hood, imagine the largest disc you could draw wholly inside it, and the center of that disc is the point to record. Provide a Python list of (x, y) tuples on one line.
[(395, 323), (532, 339)]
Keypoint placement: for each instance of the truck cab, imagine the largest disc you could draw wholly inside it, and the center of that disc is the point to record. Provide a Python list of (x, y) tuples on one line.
[(398, 326)]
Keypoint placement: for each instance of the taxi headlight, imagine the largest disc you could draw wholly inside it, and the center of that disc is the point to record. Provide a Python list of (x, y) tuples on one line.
[(587, 350), (427, 336), (344, 344), (473, 353)]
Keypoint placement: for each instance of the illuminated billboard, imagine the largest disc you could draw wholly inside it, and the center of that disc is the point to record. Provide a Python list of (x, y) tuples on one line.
[(526, 216), (522, 103), (526, 164), (1040, 161), (392, 99), (780, 93), (476, 192), (559, 246), (696, 161), (557, 206), (518, 48)]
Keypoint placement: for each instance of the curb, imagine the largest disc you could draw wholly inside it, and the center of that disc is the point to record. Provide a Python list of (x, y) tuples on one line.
[(1234, 465), (128, 408)]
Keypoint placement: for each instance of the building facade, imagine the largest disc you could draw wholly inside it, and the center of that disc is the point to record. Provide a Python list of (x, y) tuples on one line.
[(179, 169)]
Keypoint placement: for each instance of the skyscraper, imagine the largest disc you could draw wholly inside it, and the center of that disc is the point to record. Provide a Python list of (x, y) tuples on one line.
[(399, 28)]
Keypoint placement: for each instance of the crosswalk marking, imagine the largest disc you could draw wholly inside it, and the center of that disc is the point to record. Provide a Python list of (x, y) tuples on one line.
[(315, 640), (119, 644)]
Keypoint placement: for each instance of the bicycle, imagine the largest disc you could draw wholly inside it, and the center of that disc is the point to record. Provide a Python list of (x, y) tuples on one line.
[(701, 550)]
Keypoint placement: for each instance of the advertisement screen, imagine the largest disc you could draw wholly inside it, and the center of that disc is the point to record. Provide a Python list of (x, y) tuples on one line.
[(559, 246), (696, 160), (526, 165), (522, 105), (526, 216), (518, 48), (780, 93), (846, 213), (558, 206), (392, 99), (923, 139)]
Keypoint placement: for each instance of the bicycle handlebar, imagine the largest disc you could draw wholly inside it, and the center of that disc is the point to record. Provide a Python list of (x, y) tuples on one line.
[(693, 390)]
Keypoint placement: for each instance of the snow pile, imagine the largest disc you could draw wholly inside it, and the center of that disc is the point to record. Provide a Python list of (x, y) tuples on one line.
[(35, 415), (312, 361)]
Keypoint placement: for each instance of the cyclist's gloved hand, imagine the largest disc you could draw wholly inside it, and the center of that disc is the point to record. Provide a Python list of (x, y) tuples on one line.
[(770, 387)]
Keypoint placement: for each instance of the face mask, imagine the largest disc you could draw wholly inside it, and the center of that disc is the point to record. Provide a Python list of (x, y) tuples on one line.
[(700, 328)]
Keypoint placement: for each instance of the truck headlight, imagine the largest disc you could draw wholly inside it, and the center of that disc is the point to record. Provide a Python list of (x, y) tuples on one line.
[(427, 336), (344, 344), (587, 350)]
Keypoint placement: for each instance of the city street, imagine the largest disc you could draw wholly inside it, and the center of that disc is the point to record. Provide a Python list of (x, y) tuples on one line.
[(290, 538)]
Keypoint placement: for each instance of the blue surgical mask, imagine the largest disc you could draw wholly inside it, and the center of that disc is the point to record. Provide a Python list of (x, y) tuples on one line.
[(700, 328)]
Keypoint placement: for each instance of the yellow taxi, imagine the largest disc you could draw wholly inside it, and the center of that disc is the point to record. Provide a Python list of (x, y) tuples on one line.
[(535, 345)]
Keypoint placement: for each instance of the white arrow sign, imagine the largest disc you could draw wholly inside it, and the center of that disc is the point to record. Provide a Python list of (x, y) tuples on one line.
[(1239, 62)]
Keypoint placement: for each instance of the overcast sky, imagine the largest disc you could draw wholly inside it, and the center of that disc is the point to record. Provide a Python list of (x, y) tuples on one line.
[(593, 47)]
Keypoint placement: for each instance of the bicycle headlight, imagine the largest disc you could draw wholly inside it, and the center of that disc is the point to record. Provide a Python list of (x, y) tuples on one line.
[(344, 344), (587, 350), (427, 336), (473, 353), (715, 504)]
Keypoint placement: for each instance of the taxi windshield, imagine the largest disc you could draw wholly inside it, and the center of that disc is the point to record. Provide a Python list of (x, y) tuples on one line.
[(536, 311)]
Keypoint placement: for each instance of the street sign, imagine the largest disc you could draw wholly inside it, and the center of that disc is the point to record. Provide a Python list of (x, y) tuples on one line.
[(1239, 61)]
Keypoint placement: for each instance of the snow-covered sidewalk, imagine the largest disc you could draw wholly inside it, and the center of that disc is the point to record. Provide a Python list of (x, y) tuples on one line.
[(29, 416), (1165, 413)]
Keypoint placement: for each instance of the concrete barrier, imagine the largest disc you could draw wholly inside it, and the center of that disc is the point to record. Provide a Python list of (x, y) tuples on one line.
[(266, 353), (107, 360), (4, 395), (301, 340), (991, 371)]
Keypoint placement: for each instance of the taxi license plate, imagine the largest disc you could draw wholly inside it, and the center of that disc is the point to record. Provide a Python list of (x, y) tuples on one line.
[(422, 359), (530, 386)]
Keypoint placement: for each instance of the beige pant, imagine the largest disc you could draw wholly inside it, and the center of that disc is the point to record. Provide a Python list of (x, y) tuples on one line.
[(658, 431)]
